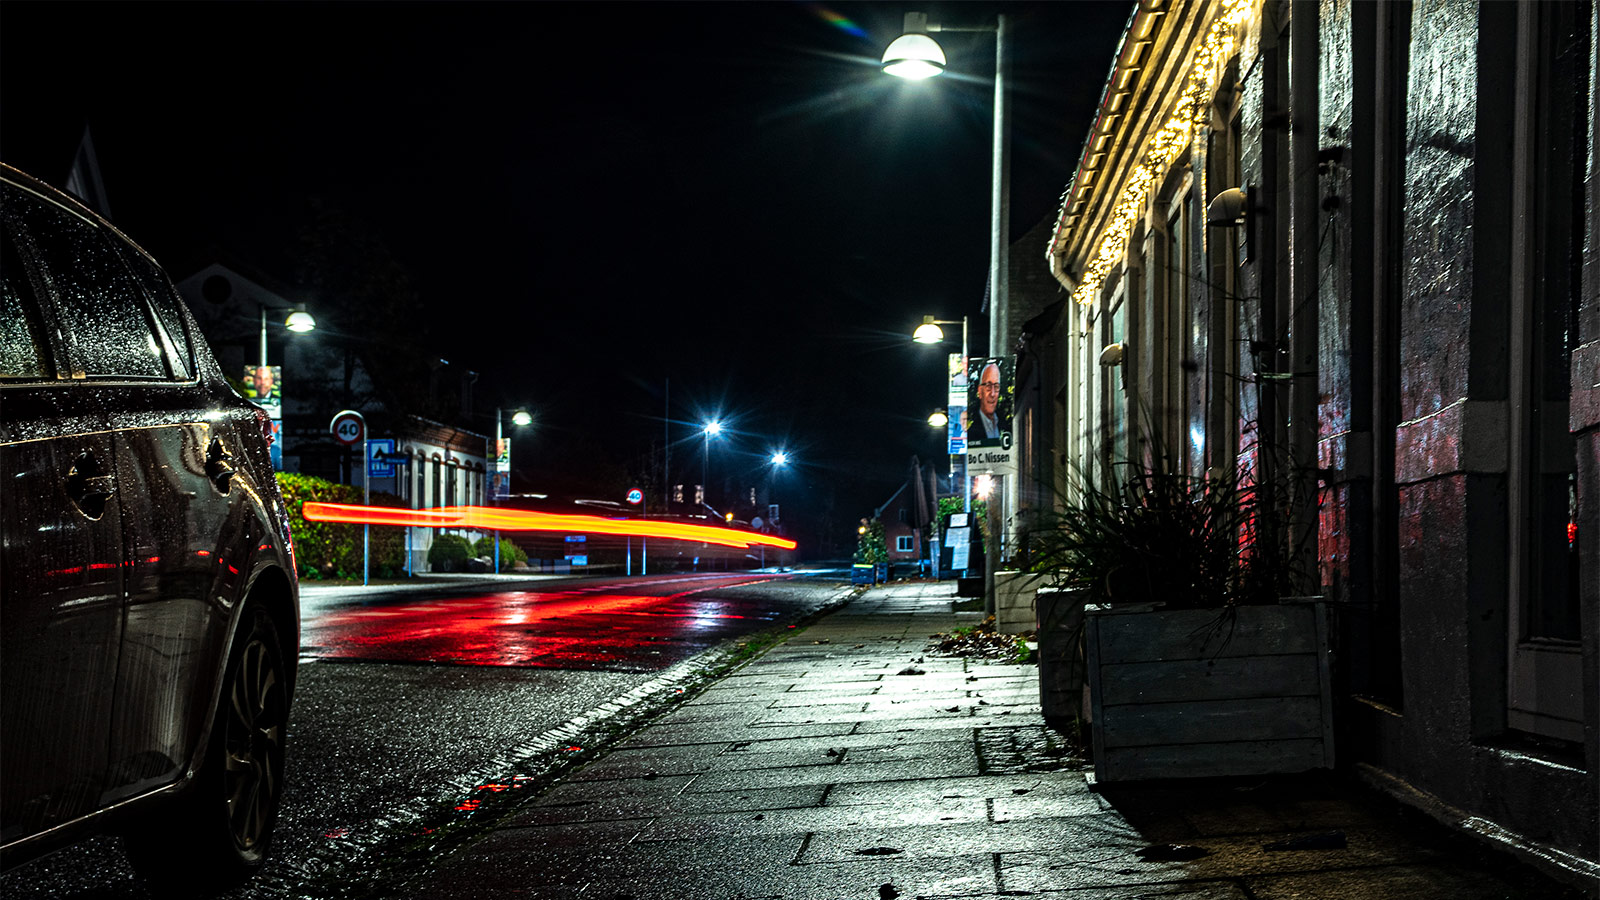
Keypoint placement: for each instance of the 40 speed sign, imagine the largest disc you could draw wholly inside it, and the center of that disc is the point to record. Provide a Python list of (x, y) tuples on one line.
[(348, 427)]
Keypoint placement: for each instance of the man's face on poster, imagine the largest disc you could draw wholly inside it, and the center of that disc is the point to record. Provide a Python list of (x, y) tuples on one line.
[(263, 382), (989, 389)]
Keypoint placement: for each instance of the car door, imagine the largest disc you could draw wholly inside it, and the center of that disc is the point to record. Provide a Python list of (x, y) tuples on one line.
[(61, 572), (187, 558)]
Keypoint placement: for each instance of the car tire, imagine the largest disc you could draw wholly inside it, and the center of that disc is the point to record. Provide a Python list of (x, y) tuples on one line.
[(216, 834)]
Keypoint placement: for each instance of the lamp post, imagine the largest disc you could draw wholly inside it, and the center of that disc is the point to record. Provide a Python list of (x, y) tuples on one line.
[(502, 464), (916, 56), (713, 428), (779, 460), (929, 332), (298, 321)]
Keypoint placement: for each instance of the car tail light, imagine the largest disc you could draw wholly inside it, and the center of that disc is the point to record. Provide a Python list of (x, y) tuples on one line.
[(265, 422)]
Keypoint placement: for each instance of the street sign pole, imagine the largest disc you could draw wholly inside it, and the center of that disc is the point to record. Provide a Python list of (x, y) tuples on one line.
[(366, 499), (350, 428), (636, 499)]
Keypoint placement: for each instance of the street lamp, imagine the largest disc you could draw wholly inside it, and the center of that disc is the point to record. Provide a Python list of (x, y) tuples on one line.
[(712, 429), (929, 332), (914, 55), (299, 321), (502, 465), (779, 460), (910, 56)]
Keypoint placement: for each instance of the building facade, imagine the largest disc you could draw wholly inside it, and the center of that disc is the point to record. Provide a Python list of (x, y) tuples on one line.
[(1351, 248)]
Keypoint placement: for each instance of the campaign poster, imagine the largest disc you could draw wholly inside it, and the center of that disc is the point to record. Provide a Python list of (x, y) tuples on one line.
[(500, 474), (263, 385), (991, 389), (956, 404)]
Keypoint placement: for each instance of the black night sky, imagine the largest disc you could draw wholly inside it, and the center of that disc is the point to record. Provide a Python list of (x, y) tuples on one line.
[(593, 198)]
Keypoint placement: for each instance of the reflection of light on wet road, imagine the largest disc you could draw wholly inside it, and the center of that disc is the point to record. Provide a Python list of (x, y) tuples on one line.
[(587, 627)]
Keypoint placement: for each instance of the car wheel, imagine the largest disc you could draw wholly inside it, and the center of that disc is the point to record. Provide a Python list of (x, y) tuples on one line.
[(216, 835)]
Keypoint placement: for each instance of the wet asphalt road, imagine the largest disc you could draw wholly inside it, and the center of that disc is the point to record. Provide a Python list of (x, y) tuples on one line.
[(411, 704)]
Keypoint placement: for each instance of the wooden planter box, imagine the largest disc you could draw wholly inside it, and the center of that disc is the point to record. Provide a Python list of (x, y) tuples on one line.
[(1059, 629), (1195, 693), (1013, 601)]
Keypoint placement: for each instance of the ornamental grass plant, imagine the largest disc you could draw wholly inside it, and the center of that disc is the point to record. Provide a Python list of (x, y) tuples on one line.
[(1152, 535)]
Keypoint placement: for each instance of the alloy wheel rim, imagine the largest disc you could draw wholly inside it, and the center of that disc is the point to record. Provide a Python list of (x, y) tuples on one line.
[(254, 746)]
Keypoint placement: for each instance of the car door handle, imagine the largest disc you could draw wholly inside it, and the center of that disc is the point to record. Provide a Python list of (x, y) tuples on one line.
[(219, 467), (88, 486)]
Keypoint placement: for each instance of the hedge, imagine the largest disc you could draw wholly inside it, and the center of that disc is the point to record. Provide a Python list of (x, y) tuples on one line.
[(325, 550)]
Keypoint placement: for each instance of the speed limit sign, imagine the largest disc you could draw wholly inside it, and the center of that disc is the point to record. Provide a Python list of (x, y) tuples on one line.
[(348, 427)]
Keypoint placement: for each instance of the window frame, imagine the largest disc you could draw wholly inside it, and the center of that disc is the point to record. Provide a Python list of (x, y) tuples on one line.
[(176, 358), (1544, 680)]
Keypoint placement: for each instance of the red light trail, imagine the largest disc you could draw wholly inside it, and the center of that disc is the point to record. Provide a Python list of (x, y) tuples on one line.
[(489, 518)]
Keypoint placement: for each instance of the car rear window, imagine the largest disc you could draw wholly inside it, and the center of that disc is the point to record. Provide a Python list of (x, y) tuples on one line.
[(169, 320), (101, 308)]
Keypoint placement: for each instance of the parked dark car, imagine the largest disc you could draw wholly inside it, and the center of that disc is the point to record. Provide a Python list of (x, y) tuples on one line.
[(149, 612)]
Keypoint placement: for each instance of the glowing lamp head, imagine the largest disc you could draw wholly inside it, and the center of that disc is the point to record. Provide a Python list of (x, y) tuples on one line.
[(713, 428), (938, 419), (729, 518), (983, 486), (300, 321), (521, 417), (928, 332), (913, 57), (780, 458)]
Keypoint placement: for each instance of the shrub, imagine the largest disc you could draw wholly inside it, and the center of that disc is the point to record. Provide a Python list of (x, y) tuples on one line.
[(330, 550), (510, 553), (449, 553), (870, 547)]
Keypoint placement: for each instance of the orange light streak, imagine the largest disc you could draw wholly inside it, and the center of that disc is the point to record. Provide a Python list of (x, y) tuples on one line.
[(489, 518)]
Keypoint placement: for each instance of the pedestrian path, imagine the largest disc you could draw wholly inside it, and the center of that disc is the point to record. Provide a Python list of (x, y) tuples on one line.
[(847, 762)]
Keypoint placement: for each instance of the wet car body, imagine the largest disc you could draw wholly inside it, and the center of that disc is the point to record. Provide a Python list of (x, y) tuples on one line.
[(149, 618)]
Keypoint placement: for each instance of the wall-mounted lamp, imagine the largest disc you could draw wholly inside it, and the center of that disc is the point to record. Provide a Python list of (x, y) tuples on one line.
[(1111, 355), (1233, 208)]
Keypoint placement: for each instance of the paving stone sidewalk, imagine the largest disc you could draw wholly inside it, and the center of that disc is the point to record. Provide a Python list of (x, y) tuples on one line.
[(847, 762)]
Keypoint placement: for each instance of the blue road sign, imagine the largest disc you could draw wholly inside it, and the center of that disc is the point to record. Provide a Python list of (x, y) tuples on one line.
[(379, 464)]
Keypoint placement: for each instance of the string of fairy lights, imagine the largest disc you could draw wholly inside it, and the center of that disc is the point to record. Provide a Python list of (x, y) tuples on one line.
[(1163, 147)]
